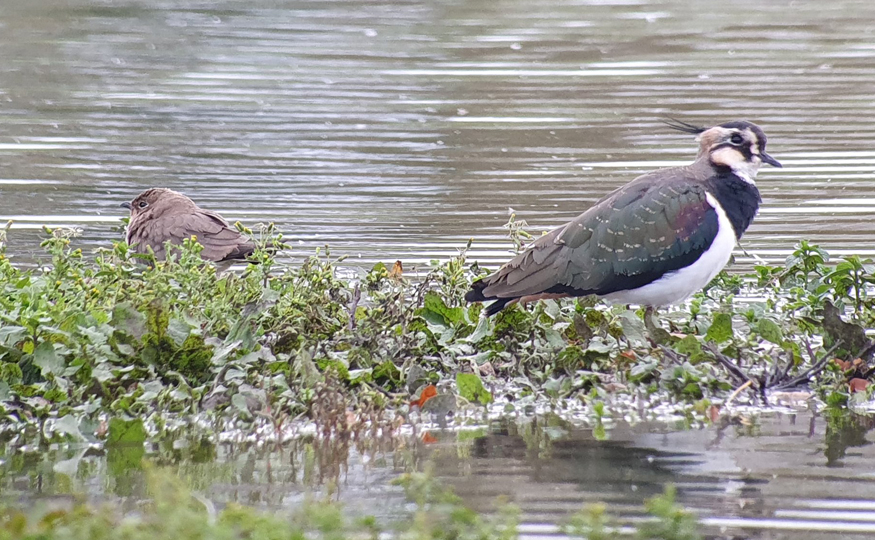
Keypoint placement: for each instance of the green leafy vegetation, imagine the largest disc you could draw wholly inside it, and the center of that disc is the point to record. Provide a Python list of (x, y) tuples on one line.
[(118, 347), (668, 521), (172, 511)]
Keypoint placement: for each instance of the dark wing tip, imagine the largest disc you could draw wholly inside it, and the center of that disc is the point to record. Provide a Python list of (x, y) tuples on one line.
[(497, 306), (240, 252), (680, 125), (476, 295), (476, 292)]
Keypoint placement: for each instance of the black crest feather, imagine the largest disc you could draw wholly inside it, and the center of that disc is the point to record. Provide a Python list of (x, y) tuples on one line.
[(680, 125)]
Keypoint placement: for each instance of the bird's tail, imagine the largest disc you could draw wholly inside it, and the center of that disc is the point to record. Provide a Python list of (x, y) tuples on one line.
[(476, 295)]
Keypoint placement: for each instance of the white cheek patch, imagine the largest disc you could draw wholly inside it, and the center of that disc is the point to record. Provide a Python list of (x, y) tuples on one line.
[(732, 158), (727, 157)]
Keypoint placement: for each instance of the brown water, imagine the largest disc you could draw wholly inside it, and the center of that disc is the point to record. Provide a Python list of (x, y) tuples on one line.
[(400, 129), (788, 475)]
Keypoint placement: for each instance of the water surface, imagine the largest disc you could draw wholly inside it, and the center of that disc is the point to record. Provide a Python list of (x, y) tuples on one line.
[(400, 129), (782, 474)]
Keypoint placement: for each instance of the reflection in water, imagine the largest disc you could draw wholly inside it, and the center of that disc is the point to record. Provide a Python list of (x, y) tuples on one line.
[(845, 432), (782, 472), (399, 130), (740, 477)]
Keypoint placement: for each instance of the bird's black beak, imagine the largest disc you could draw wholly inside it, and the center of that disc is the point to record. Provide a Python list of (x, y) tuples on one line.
[(770, 160), (128, 205)]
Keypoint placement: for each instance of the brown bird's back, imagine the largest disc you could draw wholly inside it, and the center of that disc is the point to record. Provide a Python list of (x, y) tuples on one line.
[(159, 215)]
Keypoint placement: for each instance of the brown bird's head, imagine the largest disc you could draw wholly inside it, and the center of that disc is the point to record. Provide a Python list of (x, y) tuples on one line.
[(739, 146), (158, 202)]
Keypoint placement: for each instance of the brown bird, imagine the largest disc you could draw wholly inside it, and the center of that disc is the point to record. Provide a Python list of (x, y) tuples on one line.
[(159, 215), (654, 241)]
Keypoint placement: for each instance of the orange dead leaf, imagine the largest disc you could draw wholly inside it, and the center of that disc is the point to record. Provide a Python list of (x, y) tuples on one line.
[(843, 365), (629, 353), (714, 413), (428, 438), (427, 393), (396, 271), (858, 385)]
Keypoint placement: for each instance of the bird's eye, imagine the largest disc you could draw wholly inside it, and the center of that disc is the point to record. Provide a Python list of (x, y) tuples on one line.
[(736, 139), (143, 204)]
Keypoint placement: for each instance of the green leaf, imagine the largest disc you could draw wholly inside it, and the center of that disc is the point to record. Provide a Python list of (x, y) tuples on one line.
[(692, 347), (554, 339), (689, 345), (721, 328), (387, 372), (220, 355), (770, 331), (480, 332), (96, 334), (241, 331), (471, 388), (129, 320), (68, 425), (304, 368), (10, 335), (360, 375), (45, 358), (239, 403), (336, 367), (692, 389), (437, 312), (642, 369), (123, 431), (633, 327), (178, 330)]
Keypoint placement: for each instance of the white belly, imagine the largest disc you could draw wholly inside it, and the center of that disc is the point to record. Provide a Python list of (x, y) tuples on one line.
[(679, 285)]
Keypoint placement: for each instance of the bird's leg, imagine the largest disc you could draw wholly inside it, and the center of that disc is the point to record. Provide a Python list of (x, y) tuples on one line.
[(649, 313)]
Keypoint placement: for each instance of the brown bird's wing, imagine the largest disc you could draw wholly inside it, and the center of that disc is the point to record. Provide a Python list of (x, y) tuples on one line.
[(629, 239), (219, 240), (224, 242)]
